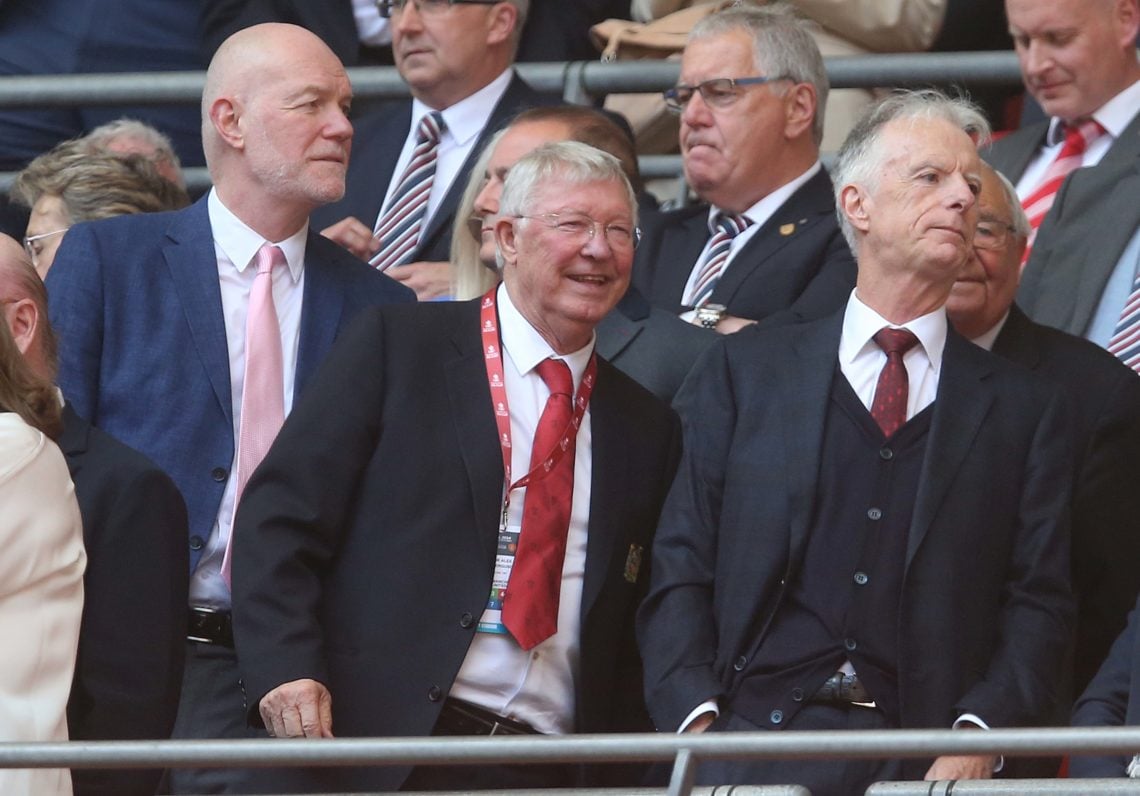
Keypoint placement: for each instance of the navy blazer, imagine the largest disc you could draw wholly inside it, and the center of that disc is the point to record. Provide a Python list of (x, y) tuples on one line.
[(136, 304), (798, 260), (379, 137), (366, 540), (986, 610)]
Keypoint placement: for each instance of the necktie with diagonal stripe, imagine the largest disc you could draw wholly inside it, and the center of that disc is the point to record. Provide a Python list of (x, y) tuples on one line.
[(1125, 342), (725, 228), (1078, 137), (401, 224)]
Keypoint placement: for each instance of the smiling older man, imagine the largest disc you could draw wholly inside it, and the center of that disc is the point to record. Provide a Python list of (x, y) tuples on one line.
[(447, 538)]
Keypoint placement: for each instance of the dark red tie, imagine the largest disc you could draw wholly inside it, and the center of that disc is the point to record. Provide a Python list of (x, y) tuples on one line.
[(530, 606), (889, 406)]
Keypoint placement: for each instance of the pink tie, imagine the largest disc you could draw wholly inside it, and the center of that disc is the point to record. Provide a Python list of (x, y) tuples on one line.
[(263, 391)]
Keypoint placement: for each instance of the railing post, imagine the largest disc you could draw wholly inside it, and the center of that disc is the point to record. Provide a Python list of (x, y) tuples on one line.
[(684, 771)]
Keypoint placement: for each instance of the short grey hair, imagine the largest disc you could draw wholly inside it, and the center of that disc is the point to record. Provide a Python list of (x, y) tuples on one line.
[(1017, 217), (782, 44), (161, 148), (860, 159), (570, 161)]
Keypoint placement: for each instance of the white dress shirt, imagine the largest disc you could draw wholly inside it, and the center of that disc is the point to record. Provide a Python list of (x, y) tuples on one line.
[(758, 214), (463, 121), (535, 686), (235, 246), (1114, 116)]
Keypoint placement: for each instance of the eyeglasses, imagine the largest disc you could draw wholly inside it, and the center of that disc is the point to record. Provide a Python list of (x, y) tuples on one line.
[(33, 246), (720, 92), (429, 7), (992, 235), (580, 228)]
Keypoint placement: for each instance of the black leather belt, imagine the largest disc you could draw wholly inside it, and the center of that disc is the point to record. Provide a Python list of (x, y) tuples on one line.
[(462, 718), (844, 689), (210, 627)]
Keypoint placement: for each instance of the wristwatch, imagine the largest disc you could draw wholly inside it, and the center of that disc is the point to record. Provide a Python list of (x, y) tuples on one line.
[(709, 315)]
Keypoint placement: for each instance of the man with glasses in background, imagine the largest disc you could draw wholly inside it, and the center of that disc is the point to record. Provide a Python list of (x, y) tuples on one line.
[(411, 158), (764, 237)]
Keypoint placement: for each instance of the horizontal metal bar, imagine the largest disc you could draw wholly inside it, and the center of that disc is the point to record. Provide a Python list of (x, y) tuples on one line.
[(570, 748), (1007, 787)]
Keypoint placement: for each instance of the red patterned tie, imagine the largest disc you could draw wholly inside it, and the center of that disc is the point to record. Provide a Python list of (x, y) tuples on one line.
[(400, 226), (889, 406), (530, 606), (1078, 137)]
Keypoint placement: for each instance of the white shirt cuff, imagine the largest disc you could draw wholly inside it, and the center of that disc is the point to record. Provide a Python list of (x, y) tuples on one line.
[(709, 706)]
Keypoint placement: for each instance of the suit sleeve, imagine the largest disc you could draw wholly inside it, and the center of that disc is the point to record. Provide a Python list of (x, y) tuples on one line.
[(828, 290), (294, 511), (1105, 703), (129, 671), (75, 306), (676, 624)]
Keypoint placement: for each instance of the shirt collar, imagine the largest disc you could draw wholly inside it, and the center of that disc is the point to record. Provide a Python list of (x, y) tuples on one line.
[(766, 207), (467, 118), (1114, 115), (525, 347), (986, 339), (240, 243), (861, 323)]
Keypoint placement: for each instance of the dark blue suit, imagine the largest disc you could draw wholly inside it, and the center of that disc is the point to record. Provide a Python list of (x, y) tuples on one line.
[(143, 356)]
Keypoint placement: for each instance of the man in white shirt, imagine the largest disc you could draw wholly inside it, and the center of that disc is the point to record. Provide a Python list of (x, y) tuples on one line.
[(764, 237), (456, 59), (154, 317), (857, 491), (409, 475)]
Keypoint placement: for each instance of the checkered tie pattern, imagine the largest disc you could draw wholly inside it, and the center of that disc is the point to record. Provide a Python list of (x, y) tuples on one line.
[(1125, 342), (263, 384), (400, 225), (1078, 138), (892, 390), (530, 606), (724, 230)]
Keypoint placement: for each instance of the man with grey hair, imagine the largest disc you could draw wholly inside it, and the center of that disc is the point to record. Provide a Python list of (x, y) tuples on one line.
[(131, 137), (763, 239), (1105, 399), (868, 528), (468, 562), (413, 157)]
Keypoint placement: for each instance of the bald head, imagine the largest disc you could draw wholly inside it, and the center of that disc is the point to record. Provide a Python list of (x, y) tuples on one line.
[(275, 127), (25, 308)]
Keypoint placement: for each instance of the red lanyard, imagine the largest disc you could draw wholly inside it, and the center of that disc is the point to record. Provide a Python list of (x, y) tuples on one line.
[(492, 349)]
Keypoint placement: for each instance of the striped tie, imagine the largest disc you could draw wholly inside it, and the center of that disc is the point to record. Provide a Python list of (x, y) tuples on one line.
[(1078, 137), (725, 229), (399, 227), (1125, 342)]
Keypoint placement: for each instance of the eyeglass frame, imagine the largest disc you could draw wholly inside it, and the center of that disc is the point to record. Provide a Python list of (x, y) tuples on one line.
[(385, 6), (674, 104), (1001, 241), (634, 233), (28, 240)]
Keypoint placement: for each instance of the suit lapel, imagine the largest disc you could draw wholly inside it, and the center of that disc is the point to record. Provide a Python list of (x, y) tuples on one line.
[(804, 208), (321, 309), (615, 333), (193, 266), (1017, 341), (960, 408), (682, 242), (470, 401)]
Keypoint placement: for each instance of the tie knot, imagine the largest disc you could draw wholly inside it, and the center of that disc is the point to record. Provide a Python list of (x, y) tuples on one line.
[(556, 375), (1081, 133), (895, 341), (430, 127), (731, 224), (268, 258)]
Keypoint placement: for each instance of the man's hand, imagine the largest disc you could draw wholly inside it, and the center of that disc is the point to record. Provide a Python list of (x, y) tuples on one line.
[(429, 280), (961, 767), (354, 236), (298, 709), (701, 722)]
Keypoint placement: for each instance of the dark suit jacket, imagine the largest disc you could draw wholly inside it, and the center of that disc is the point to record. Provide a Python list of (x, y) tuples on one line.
[(380, 136), (653, 347), (985, 611), (797, 260), (132, 639), (366, 540), (1111, 700), (1105, 416), (137, 307), (1012, 153), (1093, 218)]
